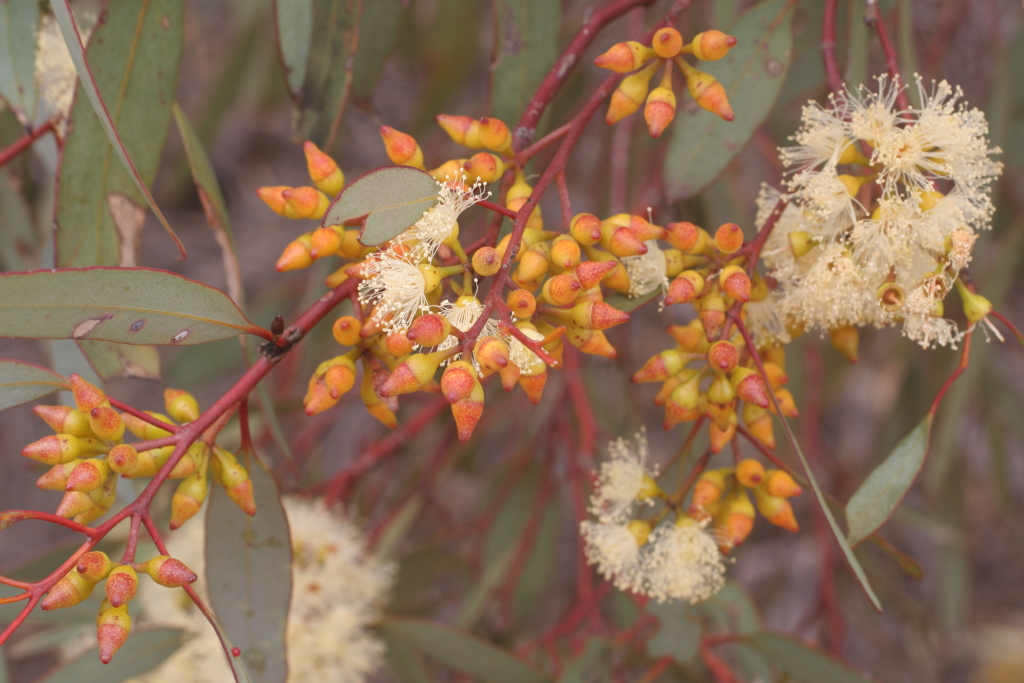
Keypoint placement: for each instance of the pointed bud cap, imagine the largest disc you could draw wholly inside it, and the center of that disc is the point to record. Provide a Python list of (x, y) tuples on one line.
[(750, 387), (74, 503), (492, 354), (324, 242), (729, 238), (585, 228), (597, 315), (273, 196), (667, 42), (786, 403), (779, 483), (323, 170), (533, 385), (521, 303), (686, 287), (89, 475), (306, 202), (735, 283), (68, 592), (845, 340), (295, 256), (723, 356), (630, 94), (467, 414), (592, 342), (486, 261), (749, 472), (106, 423), (458, 128), (181, 405), (65, 420), (565, 252), (86, 395), (168, 572), (561, 289), (94, 566), (401, 148), (412, 373), (458, 381), (711, 45), (660, 367), (494, 134), (707, 92), (56, 478), (122, 585), (624, 57), (762, 430), (686, 237), (55, 449), (429, 330), (591, 273), (112, 629), (660, 110)]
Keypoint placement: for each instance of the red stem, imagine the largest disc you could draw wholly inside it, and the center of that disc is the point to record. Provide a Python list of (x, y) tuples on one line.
[(25, 142), (497, 208), (531, 151), (144, 416), (1002, 318), (828, 47), (965, 353), (892, 65), (563, 197)]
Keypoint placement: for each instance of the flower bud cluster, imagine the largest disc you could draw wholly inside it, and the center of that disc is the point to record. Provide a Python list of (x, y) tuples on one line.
[(884, 205), (666, 49), (88, 454), (122, 583)]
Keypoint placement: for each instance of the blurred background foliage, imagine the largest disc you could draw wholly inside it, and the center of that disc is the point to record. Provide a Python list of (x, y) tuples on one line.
[(483, 546)]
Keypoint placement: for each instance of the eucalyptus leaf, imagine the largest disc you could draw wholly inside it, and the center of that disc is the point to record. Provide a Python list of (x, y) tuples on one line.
[(111, 360), (526, 45), (678, 635), (21, 382), (753, 74), (802, 662), (392, 198), (627, 303), (248, 568), (293, 20), (462, 651), (19, 22), (880, 494), (128, 305), (142, 652)]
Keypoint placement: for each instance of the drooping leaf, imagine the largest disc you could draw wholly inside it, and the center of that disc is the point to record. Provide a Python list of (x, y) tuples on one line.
[(21, 382), (630, 303), (378, 35), (248, 568), (237, 664), (678, 635), (328, 78), (752, 73), (19, 21), (19, 242), (402, 660), (142, 652), (111, 360), (129, 75), (293, 20), (803, 663), (526, 45), (463, 651), (589, 666), (392, 198), (127, 305), (880, 494)]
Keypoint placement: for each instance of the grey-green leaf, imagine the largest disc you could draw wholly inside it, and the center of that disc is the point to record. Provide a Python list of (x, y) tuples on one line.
[(526, 45), (248, 568), (803, 663), (631, 303), (752, 73), (129, 75), (321, 100), (880, 494), (678, 635), (143, 652), (378, 34), (392, 198), (19, 21), (293, 20), (462, 651), (127, 305), (111, 360), (21, 382)]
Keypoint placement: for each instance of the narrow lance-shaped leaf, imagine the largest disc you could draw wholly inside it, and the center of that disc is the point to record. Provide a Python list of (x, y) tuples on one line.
[(392, 198), (526, 45), (19, 21), (802, 662), (293, 21), (752, 73), (142, 652), (248, 569), (880, 494), (127, 305), (21, 382), (148, 24)]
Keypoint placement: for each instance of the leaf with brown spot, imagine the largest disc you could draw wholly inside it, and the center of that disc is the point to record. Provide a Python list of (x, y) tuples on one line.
[(128, 218)]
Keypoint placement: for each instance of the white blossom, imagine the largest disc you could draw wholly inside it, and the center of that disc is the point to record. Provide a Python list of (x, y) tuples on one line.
[(647, 272), (397, 286), (615, 552), (681, 561), (620, 480), (521, 356), (439, 221)]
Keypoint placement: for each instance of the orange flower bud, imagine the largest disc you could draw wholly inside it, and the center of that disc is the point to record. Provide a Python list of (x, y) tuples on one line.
[(56, 449), (728, 238), (449, 172), (234, 478), (324, 242), (686, 287), (398, 344), (486, 261), (659, 110), (621, 241), (736, 520), (273, 196), (661, 366), (591, 273), (597, 315), (749, 472), (122, 584), (711, 314), (89, 475), (750, 387), (296, 255), (533, 263), (106, 423), (462, 129), (331, 379), (624, 57), (94, 566), (776, 510), (467, 413), (585, 228), (720, 390), (74, 503), (188, 498), (706, 90), (168, 572), (323, 170), (845, 340), (492, 354), (186, 465), (630, 94), (383, 410), (686, 237), (666, 389), (682, 403), (484, 167), (429, 330), (759, 424), (565, 252), (711, 45), (181, 405), (735, 283), (401, 148), (786, 403), (56, 478), (65, 420), (779, 483), (346, 330), (592, 342), (86, 395), (533, 385), (458, 381), (521, 303), (723, 414), (709, 488), (306, 202), (123, 458), (561, 289), (112, 627), (143, 429), (68, 592), (667, 42), (690, 337), (723, 356), (776, 375), (494, 134), (413, 373)]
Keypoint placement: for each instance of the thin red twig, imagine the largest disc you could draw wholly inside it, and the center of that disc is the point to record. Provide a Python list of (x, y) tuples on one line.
[(24, 142), (144, 416), (874, 18), (828, 47), (965, 353)]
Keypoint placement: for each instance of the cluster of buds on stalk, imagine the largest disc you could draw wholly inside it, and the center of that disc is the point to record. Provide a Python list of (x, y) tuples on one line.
[(711, 370), (723, 497), (113, 622), (88, 454), (667, 48)]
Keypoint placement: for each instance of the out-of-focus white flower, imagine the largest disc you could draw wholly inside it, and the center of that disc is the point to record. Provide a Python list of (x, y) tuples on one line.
[(681, 561), (766, 321), (439, 221), (620, 482), (397, 286), (55, 73), (338, 591), (648, 272), (463, 313), (524, 358), (615, 551)]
